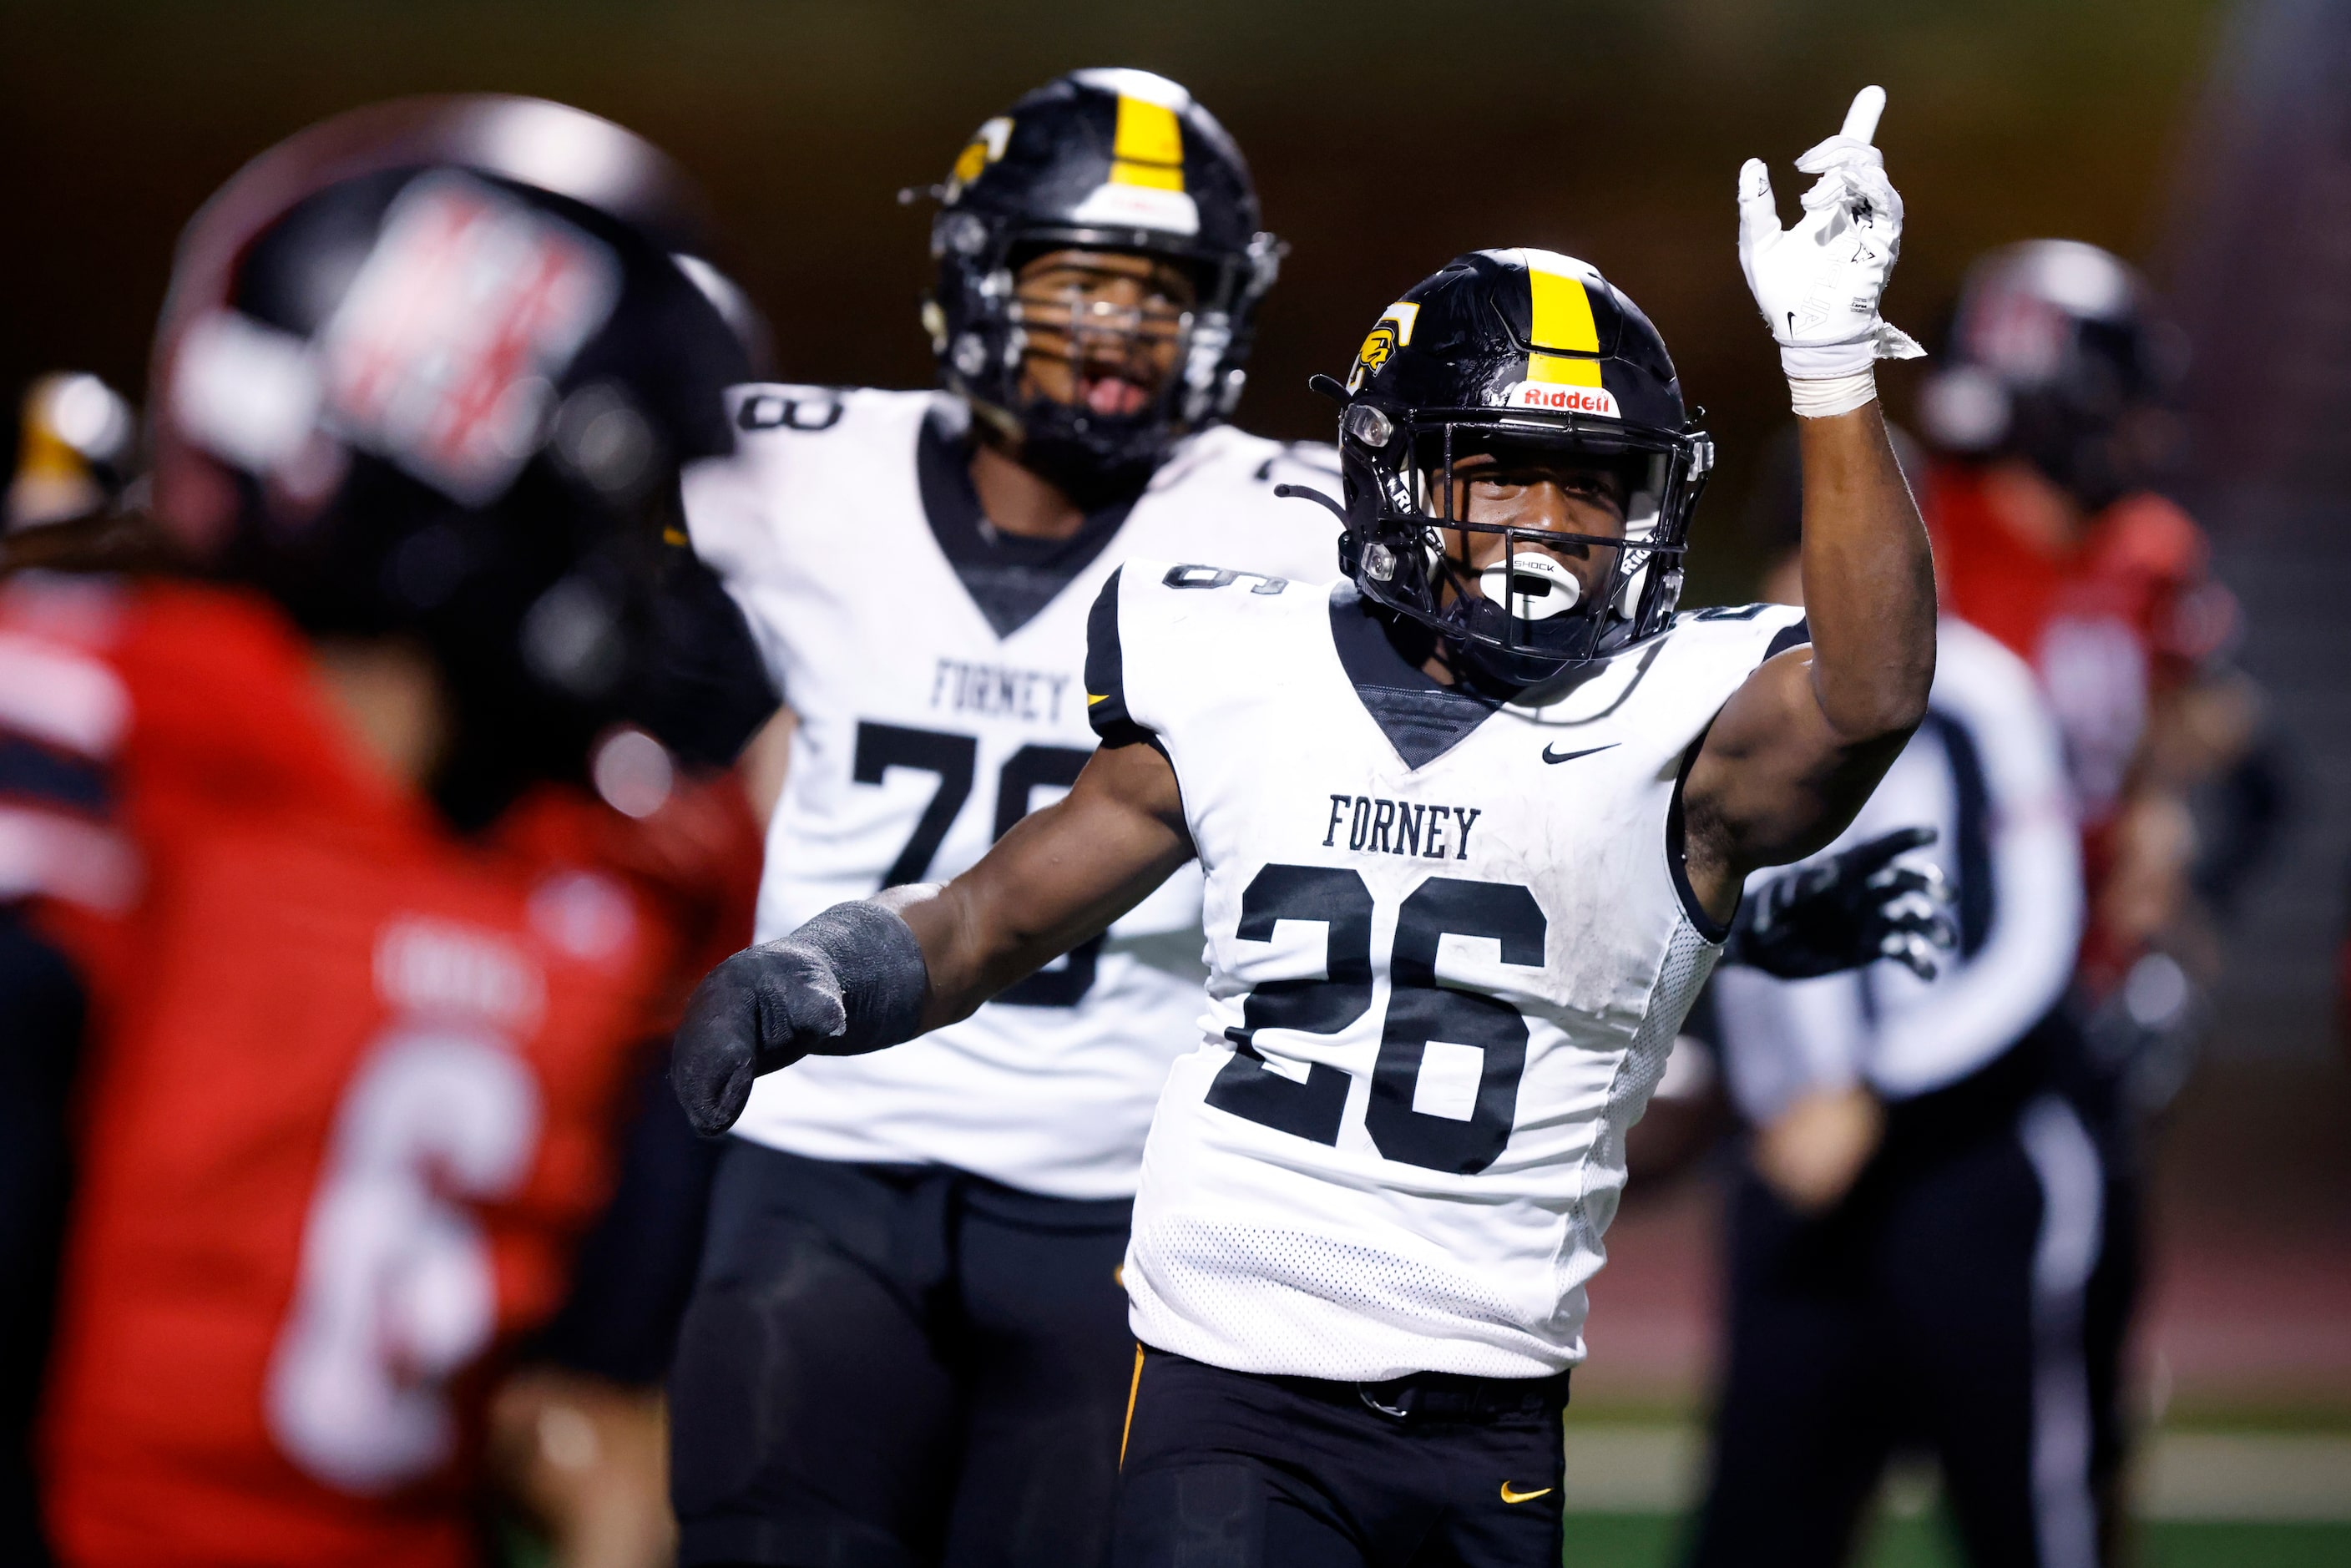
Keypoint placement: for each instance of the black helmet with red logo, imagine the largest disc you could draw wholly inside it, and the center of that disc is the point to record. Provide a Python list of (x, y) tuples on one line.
[(432, 368), (1100, 160), (2059, 356), (1523, 348)]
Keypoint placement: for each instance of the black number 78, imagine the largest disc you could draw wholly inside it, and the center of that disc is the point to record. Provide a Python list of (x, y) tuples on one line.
[(954, 759)]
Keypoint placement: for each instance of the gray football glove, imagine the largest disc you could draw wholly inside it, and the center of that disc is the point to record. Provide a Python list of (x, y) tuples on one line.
[(848, 981)]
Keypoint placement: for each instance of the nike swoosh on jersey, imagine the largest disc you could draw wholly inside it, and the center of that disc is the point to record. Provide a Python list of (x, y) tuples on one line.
[(1510, 1495), (1572, 755)]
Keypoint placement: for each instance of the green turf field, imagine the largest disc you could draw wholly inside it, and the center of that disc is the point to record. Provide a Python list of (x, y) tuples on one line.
[(2257, 1494), (1654, 1541)]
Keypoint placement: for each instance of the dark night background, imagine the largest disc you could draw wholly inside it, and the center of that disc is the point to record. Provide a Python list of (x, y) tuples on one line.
[(2208, 141), (1385, 137)]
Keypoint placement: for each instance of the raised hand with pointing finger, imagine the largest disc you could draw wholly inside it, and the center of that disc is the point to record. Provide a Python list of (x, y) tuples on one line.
[(1819, 282)]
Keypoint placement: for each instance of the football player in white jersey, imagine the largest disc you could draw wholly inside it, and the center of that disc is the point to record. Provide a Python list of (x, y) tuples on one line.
[(918, 1253), (1473, 820)]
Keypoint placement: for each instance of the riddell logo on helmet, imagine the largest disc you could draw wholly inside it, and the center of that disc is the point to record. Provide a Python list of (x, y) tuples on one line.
[(1556, 397)]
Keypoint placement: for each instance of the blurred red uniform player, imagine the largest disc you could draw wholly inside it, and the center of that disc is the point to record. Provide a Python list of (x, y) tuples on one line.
[(2118, 627), (372, 971), (353, 1082), (2047, 429)]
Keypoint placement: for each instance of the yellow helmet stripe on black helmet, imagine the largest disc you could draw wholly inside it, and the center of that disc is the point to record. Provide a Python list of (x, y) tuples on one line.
[(1148, 147), (1561, 318)]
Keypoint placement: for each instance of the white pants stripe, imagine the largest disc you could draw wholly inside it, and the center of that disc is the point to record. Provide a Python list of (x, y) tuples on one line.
[(2073, 1223)]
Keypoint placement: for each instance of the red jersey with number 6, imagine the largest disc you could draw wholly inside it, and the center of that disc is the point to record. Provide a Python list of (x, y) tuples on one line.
[(352, 1086)]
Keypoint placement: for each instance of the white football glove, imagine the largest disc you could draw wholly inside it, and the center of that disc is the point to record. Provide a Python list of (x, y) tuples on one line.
[(1818, 283)]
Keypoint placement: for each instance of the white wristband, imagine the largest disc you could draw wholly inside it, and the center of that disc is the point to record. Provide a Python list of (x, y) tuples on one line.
[(1822, 361), (1820, 398), (1825, 361)]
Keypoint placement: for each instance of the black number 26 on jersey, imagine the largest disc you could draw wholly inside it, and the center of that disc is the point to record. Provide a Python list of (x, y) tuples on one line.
[(1428, 1025)]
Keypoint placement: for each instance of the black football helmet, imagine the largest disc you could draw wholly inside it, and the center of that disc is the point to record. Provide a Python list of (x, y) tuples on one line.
[(1516, 348), (431, 368), (1104, 160), (2057, 356)]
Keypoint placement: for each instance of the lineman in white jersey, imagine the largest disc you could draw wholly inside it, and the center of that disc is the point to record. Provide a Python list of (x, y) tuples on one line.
[(1473, 822), (908, 1342), (922, 736)]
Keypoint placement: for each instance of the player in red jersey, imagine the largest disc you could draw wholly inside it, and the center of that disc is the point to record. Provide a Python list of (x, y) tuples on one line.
[(2049, 429), (371, 970)]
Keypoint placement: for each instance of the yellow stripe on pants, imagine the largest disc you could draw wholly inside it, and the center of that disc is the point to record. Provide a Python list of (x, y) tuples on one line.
[(1132, 1389)]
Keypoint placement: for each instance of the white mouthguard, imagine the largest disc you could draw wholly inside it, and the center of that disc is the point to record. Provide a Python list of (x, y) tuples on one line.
[(1537, 587)]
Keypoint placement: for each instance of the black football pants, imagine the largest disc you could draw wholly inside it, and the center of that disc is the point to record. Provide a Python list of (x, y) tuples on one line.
[(1231, 1469), (888, 1366), (1969, 1299), (41, 1018)]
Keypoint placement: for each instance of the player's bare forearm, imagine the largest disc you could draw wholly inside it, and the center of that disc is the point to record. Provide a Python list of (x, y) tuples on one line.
[(1798, 747), (873, 973), (1869, 581), (1059, 878)]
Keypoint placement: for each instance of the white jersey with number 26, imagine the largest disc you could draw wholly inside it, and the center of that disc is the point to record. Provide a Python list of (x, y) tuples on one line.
[(1448, 952), (929, 723)]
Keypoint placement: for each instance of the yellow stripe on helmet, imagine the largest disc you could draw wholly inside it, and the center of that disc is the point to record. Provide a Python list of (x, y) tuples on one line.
[(1561, 318), (1149, 147)]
